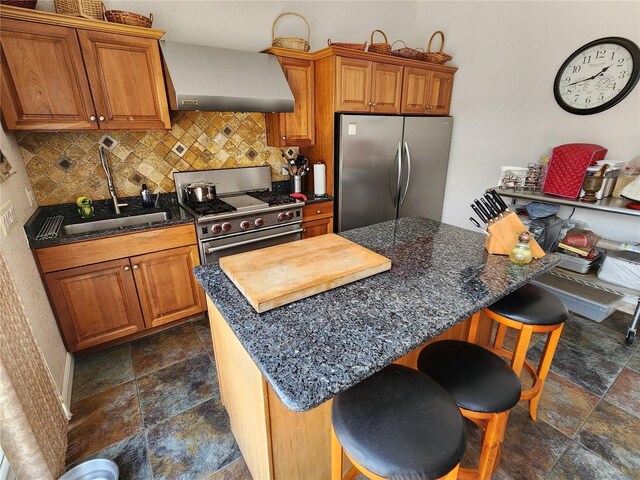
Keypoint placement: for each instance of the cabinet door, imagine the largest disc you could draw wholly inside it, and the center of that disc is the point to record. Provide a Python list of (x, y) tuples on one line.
[(440, 93), (166, 286), (415, 90), (44, 84), (95, 303), (127, 83), (353, 85), (294, 129), (316, 228), (386, 88)]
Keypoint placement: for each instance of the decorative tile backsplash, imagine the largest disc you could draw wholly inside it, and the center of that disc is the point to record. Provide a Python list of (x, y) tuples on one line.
[(64, 165)]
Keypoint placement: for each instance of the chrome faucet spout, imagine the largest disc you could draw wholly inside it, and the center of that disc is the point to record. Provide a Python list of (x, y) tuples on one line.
[(112, 191)]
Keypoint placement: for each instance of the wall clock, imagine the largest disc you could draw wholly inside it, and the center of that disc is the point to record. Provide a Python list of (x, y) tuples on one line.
[(597, 76)]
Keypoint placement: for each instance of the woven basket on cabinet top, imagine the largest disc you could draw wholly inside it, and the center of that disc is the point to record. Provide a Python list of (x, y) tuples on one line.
[(20, 3), (128, 18), (437, 57), (80, 8), (407, 52), (353, 46), (382, 48), (292, 43)]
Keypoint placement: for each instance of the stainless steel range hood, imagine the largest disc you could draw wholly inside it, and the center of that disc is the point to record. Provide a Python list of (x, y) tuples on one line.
[(222, 80)]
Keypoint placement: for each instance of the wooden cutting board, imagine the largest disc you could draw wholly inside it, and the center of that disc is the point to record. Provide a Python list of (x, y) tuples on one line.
[(275, 276)]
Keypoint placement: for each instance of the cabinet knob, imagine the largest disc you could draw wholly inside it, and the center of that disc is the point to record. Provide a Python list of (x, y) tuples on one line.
[(92, 118), (284, 138), (136, 267), (370, 104), (374, 104), (101, 118), (127, 268), (317, 212)]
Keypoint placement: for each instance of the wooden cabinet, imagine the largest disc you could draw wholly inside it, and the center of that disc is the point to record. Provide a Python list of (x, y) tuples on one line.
[(64, 73), (166, 286), (295, 129), (115, 287), (317, 219), (44, 84), (127, 83), (426, 92), (365, 86)]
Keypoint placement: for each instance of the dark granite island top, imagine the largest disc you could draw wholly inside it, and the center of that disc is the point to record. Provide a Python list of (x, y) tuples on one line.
[(315, 348)]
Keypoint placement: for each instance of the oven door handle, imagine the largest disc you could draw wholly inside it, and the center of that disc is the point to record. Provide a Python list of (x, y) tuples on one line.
[(254, 240)]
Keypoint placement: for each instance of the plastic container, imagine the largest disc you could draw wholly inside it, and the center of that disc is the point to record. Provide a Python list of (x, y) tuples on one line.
[(586, 301), (97, 469), (578, 264), (621, 268), (623, 180)]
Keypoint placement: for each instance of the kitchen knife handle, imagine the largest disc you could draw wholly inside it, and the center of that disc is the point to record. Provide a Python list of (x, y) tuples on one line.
[(489, 208), (499, 199), (482, 209), (479, 213), (497, 208)]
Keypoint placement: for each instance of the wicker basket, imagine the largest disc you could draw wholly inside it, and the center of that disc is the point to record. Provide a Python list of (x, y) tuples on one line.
[(382, 48), (128, 18), (80, 8), (20, 3), (407, 52), (292, 43), (353, 46), (436, 57)]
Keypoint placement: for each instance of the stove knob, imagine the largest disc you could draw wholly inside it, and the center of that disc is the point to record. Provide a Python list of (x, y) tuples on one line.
[(259, 222), (226, 226), (216, 228), (282, 216), (244, 225), (289, 215)]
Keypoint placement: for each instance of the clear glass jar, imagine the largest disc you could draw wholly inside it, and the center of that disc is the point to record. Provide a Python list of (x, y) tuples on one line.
[(521, 253)]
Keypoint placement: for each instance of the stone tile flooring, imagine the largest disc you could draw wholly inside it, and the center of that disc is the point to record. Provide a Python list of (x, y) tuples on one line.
[(153, 406)]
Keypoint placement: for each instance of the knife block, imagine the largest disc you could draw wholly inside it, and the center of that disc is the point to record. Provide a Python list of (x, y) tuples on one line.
[(503, 236)]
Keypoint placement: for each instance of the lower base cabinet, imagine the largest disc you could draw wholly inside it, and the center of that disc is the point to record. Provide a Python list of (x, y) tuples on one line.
[(317, 219), (100, 302)]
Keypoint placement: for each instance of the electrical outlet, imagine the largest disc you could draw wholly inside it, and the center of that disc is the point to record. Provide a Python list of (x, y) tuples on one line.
[(8, 218), (285, 172), (30, 197)]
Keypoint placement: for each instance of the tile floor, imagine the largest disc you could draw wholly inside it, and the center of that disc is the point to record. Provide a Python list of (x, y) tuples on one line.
[(153, 406)]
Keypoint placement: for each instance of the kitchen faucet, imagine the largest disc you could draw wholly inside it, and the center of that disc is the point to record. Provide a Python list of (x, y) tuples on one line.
[(112, 190)]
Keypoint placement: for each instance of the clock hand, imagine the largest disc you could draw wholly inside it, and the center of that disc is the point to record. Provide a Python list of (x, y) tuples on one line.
[(590, 78)]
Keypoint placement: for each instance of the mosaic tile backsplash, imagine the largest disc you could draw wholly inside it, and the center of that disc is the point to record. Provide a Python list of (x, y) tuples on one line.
[(64, 165)]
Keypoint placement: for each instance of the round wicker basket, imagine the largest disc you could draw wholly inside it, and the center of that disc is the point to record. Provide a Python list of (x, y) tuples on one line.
[(20, 3), (292, 43), (407, 52), (382, 48), (128, 18), (437, 57)]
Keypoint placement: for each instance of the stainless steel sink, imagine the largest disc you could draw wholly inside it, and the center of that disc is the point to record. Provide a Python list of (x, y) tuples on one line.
[(114, 223)]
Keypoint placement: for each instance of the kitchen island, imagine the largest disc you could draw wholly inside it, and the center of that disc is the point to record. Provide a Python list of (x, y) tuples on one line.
[(297, 357)]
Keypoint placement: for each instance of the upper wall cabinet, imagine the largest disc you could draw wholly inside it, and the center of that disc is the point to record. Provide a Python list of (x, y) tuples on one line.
[(426, 92), (82, 76), (295, 129), (365, 86)]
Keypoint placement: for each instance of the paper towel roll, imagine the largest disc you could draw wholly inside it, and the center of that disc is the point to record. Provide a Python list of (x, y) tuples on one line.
[(319, 179)]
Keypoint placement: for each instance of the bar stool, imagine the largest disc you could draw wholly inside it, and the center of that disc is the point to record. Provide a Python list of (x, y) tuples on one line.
[(398, 423), (483, 386), (530, 309)]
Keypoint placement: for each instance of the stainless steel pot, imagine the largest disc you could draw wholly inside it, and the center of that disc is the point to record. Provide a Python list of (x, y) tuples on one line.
[(200, 191)]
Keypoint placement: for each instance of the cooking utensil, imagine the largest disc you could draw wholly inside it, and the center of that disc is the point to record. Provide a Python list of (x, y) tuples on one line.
[(479, 214), (300, 196), (200, 191), (493, 204), (475, 222), (500, 200), (492, 213), (482, 208)]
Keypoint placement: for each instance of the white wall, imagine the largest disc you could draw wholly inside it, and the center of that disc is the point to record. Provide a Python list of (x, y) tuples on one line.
[(508, 54), (22, 266)]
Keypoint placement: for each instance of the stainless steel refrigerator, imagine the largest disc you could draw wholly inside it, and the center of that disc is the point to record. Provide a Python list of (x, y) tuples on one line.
[(390, 167)]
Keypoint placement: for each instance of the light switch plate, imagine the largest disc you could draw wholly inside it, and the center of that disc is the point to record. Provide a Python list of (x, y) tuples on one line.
[(30, 197), (8, 218)]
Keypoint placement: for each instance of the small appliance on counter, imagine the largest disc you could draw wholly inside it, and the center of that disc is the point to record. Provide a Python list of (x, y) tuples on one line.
[(568, 168)]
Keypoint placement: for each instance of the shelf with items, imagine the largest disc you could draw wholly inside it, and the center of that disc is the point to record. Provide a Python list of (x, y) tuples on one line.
[(609, 204)]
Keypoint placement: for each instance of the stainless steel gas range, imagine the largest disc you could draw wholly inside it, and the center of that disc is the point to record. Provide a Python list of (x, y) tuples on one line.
[(246, 214)]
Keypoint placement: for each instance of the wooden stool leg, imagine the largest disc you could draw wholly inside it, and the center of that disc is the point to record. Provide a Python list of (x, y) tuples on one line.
[(336, 457), (452, 475), (543, 368), (493, 437), (500, 335), (520, 352), (473, 327)]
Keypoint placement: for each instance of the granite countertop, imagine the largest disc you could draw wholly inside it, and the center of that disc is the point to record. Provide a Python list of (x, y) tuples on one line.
[(315, 348), (103, 210), (283, 186)]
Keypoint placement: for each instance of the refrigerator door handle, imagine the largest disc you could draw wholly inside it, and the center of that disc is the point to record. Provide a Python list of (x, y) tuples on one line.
[(406, 187), (395, 192)]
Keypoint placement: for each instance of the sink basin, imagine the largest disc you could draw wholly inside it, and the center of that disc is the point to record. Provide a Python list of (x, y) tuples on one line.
[(114, 223)]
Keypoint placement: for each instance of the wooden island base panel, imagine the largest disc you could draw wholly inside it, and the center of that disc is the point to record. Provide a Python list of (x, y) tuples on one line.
[(277, 443)]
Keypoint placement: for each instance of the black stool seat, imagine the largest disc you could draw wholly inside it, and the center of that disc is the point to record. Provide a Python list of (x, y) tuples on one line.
[(532, 305), (477, 379), (399, 423)]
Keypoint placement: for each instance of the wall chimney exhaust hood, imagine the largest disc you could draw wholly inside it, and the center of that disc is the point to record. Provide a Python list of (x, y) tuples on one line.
[(222, 80)]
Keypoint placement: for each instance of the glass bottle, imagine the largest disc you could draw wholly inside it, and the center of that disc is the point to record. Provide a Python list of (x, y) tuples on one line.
[(521, 253)]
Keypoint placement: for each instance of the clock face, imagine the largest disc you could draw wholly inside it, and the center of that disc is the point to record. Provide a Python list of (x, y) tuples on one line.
[(597, 76)]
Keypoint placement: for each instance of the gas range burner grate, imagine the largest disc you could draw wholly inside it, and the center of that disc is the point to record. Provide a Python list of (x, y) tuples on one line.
[(272, 198), (210, 207)]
